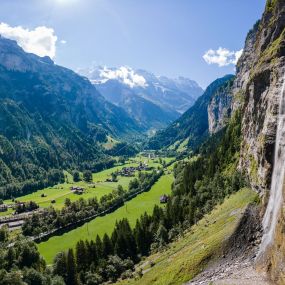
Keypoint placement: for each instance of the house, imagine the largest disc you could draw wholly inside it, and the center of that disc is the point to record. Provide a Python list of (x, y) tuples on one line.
[(163, 199), (3, 208), (77, 189)]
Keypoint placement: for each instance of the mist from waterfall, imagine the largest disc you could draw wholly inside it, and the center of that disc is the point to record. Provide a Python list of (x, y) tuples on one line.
[(275, 200)]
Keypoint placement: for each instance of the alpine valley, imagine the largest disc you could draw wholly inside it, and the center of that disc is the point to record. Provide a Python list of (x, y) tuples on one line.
[(119, 176)]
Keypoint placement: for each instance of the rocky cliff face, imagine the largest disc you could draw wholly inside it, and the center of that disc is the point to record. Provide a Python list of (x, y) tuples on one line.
[(257, 90), (219, 108)]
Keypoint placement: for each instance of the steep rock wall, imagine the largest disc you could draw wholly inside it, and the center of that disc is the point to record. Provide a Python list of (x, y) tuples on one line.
[(219, 108), (257, 90)]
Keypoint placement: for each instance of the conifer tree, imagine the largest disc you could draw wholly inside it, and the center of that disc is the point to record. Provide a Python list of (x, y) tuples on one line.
[(72, 277)]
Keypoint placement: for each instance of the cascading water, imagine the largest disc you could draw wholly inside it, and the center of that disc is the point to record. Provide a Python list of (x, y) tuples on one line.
[(275, 201)]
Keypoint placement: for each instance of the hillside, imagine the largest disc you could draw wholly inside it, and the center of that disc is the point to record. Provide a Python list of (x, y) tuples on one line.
[(188, 255), (50, 118), (193, 125)]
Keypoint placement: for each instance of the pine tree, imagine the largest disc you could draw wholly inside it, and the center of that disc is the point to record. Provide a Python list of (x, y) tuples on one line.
[(60, 265), (72, 278), (99, 247), (107, 247), (81, 256)]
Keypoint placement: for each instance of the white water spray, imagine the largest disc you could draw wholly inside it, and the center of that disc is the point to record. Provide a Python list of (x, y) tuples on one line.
[(275, 201)]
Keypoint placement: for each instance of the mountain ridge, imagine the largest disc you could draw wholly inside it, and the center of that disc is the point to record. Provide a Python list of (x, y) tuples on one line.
[(168, 97)]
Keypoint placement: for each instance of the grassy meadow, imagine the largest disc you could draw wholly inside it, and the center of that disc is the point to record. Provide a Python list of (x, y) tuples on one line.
[(132, 210), (62, 191)]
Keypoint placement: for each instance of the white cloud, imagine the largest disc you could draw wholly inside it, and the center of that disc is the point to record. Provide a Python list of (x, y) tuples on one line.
[(123, 74), (222, 56), (40, 41), (63, 42)]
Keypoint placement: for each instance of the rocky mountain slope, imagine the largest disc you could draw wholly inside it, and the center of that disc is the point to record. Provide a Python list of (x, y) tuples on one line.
[(193, 125), (50, 118), (258, 90), (153, 101)]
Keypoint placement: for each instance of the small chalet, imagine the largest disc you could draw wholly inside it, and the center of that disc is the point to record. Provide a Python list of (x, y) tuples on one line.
[(77, 190), (163, 199), (3, 208)]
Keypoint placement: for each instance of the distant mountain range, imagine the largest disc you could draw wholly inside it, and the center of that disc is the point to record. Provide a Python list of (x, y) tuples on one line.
[(153, 101)]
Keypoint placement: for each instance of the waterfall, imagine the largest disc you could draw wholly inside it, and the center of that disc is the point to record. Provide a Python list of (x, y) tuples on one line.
[(275, 200)]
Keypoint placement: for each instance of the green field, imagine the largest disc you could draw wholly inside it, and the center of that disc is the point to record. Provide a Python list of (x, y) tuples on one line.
[(62, 191), (132, 210), (188, 256)]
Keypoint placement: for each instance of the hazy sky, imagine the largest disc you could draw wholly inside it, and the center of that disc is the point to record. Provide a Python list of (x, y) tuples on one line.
[(167, 37)]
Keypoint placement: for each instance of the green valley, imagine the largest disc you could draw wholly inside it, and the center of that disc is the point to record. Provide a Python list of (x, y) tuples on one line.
[(132, 210)]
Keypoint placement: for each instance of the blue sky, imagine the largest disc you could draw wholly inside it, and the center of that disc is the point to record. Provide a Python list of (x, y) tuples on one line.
[(167, 37)]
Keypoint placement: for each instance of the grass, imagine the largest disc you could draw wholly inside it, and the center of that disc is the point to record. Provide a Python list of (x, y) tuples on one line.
[(132, 210), (62, 191), (6, 213), (188, 256)]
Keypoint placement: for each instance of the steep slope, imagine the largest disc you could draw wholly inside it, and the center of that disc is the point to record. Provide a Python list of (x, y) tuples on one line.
[(50, 118), (193, 125), (259, 91), (188, 255), (169, 97)]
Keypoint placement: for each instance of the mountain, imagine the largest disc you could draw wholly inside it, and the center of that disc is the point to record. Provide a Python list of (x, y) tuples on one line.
[(259, 92), (153, 101), (193, 126), (51, 118)]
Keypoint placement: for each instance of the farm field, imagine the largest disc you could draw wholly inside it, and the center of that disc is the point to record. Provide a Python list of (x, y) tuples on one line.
[(62, 191), (132, 210)]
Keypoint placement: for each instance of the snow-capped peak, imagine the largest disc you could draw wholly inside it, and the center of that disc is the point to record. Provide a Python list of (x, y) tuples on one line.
[(124, 74)]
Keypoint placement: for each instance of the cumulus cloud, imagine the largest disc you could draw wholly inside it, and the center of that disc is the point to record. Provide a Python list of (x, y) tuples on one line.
[(63, 42), (40, 41), (123, 74), (222, 56)]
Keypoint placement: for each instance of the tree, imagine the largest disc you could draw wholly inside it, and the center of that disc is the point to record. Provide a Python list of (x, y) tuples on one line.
[(120, 190), (87, 176), (107, 247), (81, 256), (4, 233), (60, 265), (161, 235), (33, 277), (76, 176), (29, 255), (10, 258), (99, 247), (67, 202), (114, 177), (71, 273)]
